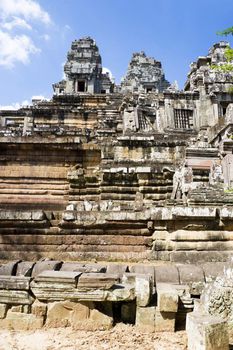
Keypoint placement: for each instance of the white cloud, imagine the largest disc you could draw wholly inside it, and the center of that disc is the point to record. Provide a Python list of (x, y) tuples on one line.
[(25, 103), (15, 106), (28, 9), (67, 27), (46, 37), (39, 97), (107, 71), (16, 22), (21, 15), (16, 48)]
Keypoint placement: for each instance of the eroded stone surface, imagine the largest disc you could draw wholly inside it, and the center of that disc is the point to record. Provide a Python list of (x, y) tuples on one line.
[(82, 315), (167, 298), (207, 332)]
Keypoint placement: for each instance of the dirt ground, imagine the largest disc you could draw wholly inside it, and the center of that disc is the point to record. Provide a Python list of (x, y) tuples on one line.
[(120, 337)]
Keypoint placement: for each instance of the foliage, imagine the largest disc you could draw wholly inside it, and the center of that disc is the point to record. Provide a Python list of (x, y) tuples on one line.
[(226, 32), (225, 68), (229, 54), (230, 90), (230, 190)]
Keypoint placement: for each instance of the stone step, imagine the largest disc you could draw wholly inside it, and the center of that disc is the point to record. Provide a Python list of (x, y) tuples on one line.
[(130, 255), (107, 240), (84, 191), (51, 248), (119, 189), (155, 189), (33, 186), (31, 192), (109, 231), (116, 196)]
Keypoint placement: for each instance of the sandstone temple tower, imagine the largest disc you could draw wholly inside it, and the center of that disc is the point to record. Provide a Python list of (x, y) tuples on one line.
[(144, 74), (140, 171), (83, 70)]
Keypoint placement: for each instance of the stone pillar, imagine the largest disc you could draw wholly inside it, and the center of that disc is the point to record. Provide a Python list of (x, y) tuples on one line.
[(206, 332), (227, 164)]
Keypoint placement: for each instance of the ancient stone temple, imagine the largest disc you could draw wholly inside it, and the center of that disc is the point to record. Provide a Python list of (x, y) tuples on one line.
[(135, 172)]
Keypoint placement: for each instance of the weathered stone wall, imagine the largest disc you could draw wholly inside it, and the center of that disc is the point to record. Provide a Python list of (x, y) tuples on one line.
[(120, 176)]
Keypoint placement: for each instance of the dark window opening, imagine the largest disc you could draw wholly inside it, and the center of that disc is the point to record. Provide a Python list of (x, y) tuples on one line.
[(222, 108), (61, 116), (148, 89), (81, 86), (85, 115), (103, 91), (183, 118)]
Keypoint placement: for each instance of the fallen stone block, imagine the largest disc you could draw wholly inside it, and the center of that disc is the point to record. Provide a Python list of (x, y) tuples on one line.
[(64, 292), (15, 297), (206, 332), (90, 316), (56, 277), (38, 308), (59, 314), (98, 321), (15, 282), (18, 321), (165, 321), (41, 266), (167, 297), (143, 289), (145, 318), (81, 315), (98, 280)]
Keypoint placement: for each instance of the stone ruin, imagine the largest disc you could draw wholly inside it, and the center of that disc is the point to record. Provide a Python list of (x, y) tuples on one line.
[(144, 74), (137, 172), (95, 296)]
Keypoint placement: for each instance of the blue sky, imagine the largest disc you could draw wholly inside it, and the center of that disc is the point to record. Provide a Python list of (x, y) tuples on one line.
[(35, 36)]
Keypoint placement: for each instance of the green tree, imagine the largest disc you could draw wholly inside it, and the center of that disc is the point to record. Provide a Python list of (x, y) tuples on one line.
[(228, 66), (225, 32)]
